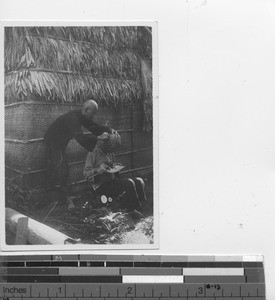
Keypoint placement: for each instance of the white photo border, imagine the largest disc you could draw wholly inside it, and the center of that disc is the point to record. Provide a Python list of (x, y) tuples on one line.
[(155, 73)]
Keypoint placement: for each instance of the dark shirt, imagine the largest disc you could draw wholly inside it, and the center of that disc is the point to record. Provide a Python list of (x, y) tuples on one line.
[(68, 126)]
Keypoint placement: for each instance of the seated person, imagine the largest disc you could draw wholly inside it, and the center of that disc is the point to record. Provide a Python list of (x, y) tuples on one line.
[(96, 168)]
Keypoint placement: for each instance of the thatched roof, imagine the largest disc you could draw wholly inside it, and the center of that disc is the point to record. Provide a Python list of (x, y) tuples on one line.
[(72, 64)]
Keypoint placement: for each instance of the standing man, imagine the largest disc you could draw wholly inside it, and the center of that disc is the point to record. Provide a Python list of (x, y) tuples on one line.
[(57, 137)]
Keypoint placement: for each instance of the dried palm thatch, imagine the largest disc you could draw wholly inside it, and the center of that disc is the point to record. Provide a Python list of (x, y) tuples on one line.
[(71, 64), (56, 86), (55, 53)]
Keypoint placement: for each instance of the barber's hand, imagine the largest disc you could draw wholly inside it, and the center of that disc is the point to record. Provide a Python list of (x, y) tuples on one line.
[(113, 131), (102, 169), (103, 136)]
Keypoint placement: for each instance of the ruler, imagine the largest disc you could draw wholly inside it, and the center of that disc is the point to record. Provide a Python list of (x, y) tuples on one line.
[(116, 277)]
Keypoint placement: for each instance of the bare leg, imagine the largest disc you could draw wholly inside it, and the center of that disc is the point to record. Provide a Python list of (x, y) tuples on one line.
[(140, 187)]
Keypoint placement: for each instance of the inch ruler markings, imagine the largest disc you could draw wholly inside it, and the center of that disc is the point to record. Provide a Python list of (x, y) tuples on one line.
[(116, 277)]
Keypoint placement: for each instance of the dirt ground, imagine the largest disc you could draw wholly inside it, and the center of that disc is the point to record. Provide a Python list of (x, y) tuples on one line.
[(92, 222)]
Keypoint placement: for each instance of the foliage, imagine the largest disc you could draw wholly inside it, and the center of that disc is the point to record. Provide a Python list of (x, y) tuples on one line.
[(17, 198), (91, 222), (143, 233), (106, 226), (147, 87)]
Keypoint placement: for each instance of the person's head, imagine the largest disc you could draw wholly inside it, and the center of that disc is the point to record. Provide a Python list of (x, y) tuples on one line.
[(112, 143), (89, 109)]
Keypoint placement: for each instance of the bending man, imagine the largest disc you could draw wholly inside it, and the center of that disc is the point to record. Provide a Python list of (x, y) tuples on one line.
[(57, 137)]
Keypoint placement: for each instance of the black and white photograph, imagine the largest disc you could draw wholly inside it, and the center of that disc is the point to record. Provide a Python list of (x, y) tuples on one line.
[(80, 136)]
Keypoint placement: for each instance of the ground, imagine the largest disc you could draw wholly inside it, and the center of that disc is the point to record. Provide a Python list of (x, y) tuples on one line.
[(92, 222)]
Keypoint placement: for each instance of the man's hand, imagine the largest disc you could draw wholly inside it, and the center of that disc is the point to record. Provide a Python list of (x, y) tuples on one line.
[(102, 169), (113, 131), (103, 136)]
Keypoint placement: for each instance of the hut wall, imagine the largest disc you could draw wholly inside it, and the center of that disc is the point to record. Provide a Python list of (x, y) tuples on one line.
[(27, 122)]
